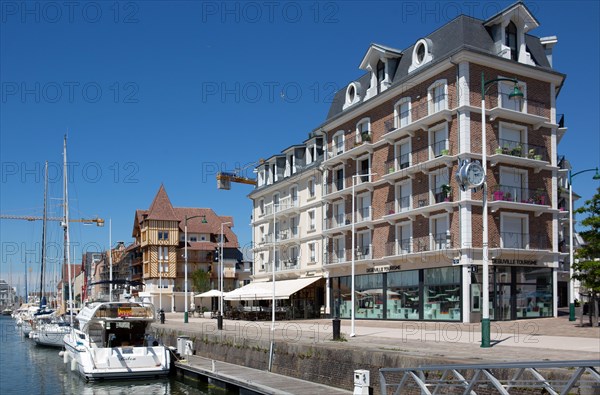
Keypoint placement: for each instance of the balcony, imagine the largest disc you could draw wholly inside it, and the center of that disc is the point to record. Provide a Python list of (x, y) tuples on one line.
[(526, 111), (423, 159), (335, 189), (289, 235), (287, 204), (364, 252), (364, 214), (340, 152), (337, 223), (522, 241), (509, 197), (336, 257), (421, 117), (431, 243), (518, 153)]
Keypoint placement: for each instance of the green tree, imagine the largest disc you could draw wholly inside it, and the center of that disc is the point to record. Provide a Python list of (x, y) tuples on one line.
[(201, 281), (587, 269)]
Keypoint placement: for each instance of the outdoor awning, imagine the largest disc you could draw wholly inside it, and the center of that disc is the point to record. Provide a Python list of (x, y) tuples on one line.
[(213, 293), (264, 290)]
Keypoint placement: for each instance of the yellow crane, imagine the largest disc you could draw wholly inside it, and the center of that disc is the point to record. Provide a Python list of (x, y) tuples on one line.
[(224, 179), (97, 221)]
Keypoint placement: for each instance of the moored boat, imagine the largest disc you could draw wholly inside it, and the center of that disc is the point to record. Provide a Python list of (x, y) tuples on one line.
[(109, 340)]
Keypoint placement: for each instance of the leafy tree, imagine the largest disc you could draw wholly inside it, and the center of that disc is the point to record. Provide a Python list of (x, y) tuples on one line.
[(587, 270), (201, 281)]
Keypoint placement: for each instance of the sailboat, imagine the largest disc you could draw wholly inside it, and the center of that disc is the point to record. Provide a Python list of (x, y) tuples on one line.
[(110, 340), (48, 329)]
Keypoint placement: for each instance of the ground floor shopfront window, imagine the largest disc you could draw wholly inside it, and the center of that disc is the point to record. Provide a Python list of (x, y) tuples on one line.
[(424, 294), (515, 292)]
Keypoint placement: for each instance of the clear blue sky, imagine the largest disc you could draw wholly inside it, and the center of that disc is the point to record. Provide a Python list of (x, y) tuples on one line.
[(155, 92)]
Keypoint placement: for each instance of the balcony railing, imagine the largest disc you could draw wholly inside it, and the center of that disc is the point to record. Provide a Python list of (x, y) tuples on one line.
[(364, 214), (364, 252), (398, 205), (519, 149), (432, 151), (398, 247), (336, 221), (520, 195), (524, 241), (290, 233), (417, 112), (335, 186), (442, 194), (533, 107), (287, 203), (336, 257)]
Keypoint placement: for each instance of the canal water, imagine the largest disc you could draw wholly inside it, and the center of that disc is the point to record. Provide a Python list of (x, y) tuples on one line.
[(26, 368)]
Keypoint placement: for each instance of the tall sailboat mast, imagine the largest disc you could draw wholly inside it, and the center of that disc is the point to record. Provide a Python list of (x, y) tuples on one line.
[(66, 228), (44, 220)]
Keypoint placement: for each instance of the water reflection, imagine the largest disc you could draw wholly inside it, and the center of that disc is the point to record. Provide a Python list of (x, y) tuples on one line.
[(27, 368)]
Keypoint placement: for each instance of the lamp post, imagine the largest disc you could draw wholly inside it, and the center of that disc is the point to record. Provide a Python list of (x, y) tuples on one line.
[(221, 287), (352, 318), (485, 305), (185, 254), (571, 252)]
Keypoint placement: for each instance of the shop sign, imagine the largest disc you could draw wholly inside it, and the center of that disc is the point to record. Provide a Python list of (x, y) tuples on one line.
[(518, 262), (384, 269)]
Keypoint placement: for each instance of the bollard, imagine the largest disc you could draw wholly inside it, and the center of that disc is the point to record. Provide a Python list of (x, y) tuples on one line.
[(336, 329), (220, 322)]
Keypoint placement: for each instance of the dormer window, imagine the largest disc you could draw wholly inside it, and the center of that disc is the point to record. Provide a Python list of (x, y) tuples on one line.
[(380, 75), (510, 35), (353, 94), (421, 54)]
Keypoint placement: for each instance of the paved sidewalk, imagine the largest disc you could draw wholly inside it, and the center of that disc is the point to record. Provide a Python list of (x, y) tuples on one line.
[(524, 340)]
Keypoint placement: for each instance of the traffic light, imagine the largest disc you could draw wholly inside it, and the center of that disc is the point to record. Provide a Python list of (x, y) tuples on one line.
[(216, 255)]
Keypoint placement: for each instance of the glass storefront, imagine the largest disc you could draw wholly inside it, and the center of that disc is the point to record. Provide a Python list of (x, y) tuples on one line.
[(426, 294), (515, 292), (441, 294)]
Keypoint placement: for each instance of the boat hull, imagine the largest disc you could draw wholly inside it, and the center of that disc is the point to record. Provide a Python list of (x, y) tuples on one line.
[(116, 362), (50, 335)]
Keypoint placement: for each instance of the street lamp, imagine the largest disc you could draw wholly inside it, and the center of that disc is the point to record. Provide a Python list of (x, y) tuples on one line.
[(221, 287), (485, 305), (352, 331), (572, 283), (186, 314)]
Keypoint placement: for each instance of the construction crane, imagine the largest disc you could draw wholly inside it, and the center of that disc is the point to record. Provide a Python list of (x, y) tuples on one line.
[(87, 221), (224, 179)]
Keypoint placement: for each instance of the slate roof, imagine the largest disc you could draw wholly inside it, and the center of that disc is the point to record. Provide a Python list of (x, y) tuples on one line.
[(463, 32), (161, 207)]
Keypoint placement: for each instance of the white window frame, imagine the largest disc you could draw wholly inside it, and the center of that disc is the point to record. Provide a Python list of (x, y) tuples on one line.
[(334, 180), (358, 162), (336, 244), (312, 220), (338, 145), (398, 113), (366, 120), (432, 132), (311, 190), (397, 152), (360, 237), (312, 252), (432, 221), (525, 225), (522, 86), (433, 177), (294, 202), (398, 237), (309, 153), (525, 176), (430, 96), (261, 207), (359, 206), (397, 197), (505, 125)]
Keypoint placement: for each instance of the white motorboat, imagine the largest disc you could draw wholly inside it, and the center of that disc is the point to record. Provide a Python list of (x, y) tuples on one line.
[(109, 341)]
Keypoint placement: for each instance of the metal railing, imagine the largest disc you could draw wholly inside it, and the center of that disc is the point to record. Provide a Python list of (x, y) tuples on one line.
[(397, 206), (398, 247), (424, 154), (519, 149), (509, 193), (552, 377), (523, 241), (419, 111)]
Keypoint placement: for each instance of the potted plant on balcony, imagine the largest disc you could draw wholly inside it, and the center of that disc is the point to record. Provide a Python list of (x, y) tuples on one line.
[(531, 153), (517, 151), (391, 170), (498, 195), (445, 152), (537, 157), (499, 150), (365, 137), (446, 192)]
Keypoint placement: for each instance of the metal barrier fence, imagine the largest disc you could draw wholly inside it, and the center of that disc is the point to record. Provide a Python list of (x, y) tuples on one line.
[(550, 377)]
